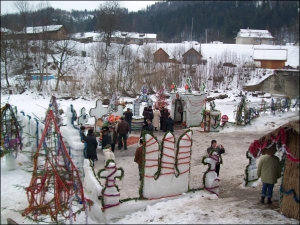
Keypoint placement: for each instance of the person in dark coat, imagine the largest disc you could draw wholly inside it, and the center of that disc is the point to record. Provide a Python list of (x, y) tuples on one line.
[(150, 113), (114, 137), (122, 130), (82, 133), (219, 149), (128, 117), (106, 138), (92, 144), (146, 113), (170, 124), (161, 119), (165, 117)]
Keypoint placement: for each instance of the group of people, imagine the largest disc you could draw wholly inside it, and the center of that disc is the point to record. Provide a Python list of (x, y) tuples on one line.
[(110, 136), (159, 118)]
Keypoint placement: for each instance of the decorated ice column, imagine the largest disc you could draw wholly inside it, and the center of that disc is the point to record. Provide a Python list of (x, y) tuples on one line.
[(166, 171), (211, 180), (110, 193), (83, 118), (72, 135), (250, 175)]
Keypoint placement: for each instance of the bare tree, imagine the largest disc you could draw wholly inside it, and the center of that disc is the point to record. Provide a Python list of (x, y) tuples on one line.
[(108, 17), (61, 53), (24, 8), (4, 58)]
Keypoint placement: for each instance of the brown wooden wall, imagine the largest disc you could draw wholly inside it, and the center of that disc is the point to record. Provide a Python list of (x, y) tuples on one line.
[(289, 206), (160, 56), (272, 64)]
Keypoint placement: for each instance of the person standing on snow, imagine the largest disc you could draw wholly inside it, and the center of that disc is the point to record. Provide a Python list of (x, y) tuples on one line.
[(170, 124), (219, 149), (156, 118), (269, 170), (122, 130), (92, 144), (128, 117)]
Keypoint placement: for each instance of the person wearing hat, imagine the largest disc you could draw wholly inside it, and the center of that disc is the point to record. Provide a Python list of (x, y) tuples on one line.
[(91, 146), (106, 138), (122, 130), (114, 137)]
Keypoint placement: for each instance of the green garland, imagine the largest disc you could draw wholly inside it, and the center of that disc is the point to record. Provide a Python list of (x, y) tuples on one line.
[(209, 165), (160, 147), (177, 152), (99, 175)]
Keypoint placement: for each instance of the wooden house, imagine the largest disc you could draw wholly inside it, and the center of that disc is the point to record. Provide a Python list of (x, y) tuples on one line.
[(287, 137), (280, 82), (191, 57), (270, 58), (4, 31), (51, 32), (254, 37), (161, 56)]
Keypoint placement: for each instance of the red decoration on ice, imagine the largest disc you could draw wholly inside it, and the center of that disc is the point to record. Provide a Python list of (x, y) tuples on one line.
[(52, 186)]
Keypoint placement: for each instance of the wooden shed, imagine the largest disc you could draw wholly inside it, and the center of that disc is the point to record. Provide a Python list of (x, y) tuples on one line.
[(191, 57), (287, 138), (51, 32), (160, 56), (270, 58)]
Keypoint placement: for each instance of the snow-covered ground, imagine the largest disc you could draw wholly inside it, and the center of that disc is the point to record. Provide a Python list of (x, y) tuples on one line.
[(200, 207)]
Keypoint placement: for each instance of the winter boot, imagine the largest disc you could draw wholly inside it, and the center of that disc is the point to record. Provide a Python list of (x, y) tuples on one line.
[(269, 201), (262, 200)]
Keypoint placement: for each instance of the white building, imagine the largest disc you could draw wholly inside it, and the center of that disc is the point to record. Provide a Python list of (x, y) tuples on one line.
[(254, 37)]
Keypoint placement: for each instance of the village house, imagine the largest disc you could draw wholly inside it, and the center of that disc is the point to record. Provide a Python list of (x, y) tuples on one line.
[(160, 56), (254, 37), (164, 56), (270, 58), (192, 56), (4, 31), (50, 32), (130, 38)]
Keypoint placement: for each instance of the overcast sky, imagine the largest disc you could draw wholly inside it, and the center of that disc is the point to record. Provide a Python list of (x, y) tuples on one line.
[(132, 6)]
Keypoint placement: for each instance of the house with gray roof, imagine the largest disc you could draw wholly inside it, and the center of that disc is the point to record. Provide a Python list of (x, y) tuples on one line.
[(254, 37)]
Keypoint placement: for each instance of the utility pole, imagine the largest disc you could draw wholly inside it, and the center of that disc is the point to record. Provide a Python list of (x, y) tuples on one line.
[(192, 29), (206, 35)]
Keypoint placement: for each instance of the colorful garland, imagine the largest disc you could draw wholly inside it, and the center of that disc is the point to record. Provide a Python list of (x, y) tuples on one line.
[(107, 180), (255, 148), (11, 131)]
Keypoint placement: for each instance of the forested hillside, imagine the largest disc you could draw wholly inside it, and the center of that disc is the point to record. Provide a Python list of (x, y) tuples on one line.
[(177, 21)]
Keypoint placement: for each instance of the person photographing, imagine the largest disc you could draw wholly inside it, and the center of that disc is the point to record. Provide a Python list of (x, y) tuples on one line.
[(219, 149)]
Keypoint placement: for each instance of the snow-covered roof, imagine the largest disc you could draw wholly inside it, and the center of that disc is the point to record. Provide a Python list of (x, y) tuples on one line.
[(266, 73), (254, 33), (116, 34), (5, 30), (135, 35), (41, 29), (270, 54)]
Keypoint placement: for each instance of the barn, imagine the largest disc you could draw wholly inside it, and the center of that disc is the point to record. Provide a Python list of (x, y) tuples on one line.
[(270, 58)]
